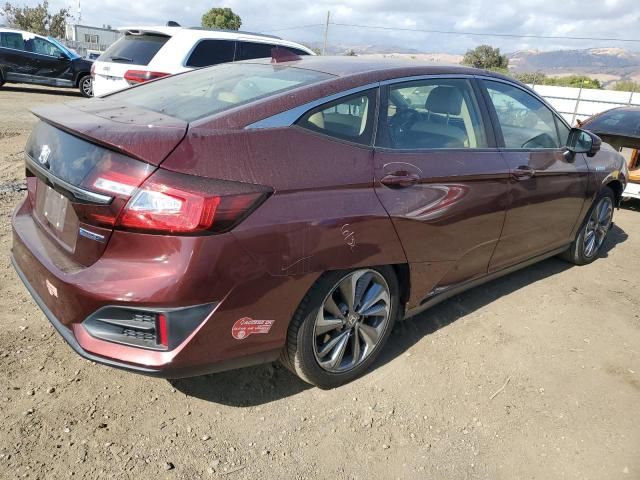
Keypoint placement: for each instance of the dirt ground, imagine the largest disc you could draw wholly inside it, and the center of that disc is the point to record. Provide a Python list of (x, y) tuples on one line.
[(562, 342)]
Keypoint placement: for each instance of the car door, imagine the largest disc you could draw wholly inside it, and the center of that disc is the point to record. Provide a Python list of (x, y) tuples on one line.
[(54, 66), (441, 179), (17, 63), (547, 187)]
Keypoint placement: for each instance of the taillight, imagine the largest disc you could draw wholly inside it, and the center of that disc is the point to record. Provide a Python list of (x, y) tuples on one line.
[(172, 202), (117, 176), (93, 70), (140, 76)]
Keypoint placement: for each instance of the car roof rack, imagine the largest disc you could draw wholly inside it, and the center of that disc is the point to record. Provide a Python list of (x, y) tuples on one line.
[(236, 31)]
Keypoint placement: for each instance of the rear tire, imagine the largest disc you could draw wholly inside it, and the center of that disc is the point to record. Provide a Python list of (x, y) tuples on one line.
[(593, 231), (85, 85), (341, 325)]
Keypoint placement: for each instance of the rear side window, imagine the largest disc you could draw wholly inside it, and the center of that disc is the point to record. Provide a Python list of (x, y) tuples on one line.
[(12, 40), (297, 51), (135, 49), (212, 52), (349, 118), (251, 50)]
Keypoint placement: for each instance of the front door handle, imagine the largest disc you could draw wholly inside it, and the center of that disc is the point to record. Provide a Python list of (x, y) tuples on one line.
[(523, 172), (400, 179)]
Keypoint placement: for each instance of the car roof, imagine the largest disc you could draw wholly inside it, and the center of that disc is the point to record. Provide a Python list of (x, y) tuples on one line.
[(15, 30), (381, 68), (620, 121), (200, 33)]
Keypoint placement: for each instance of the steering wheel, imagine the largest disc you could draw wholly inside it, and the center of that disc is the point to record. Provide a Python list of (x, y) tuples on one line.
[(402, 122)]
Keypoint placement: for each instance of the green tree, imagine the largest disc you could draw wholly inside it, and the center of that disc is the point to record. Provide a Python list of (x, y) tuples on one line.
[(576, 81), (487, 57), (37, 19), (627, 86), (221, 18)]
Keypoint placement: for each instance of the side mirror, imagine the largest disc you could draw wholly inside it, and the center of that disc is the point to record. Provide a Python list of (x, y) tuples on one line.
[(583, 141)]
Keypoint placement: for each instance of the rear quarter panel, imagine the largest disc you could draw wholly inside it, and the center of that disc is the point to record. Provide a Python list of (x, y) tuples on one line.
[(323, 215)]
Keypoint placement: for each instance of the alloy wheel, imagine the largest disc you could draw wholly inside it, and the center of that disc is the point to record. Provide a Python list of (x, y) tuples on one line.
[(86, 85), (352, 320), (597, 227)]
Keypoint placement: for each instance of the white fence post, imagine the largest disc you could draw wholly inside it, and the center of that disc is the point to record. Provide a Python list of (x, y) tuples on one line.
[(575, 110)]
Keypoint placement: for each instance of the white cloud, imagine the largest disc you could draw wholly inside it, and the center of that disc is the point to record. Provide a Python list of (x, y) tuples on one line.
[(611, 18)]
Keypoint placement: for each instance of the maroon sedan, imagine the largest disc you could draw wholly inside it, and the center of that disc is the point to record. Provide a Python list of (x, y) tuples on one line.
[(253, 211)]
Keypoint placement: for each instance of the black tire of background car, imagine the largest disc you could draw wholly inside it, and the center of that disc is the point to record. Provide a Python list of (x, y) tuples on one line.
[(575, 253), (81, 86), (297, 354)]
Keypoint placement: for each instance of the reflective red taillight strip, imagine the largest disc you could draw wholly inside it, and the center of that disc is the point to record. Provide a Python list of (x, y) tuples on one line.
[(141, 76)]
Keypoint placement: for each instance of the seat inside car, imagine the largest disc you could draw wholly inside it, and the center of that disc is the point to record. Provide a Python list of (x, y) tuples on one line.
[(437, 129)]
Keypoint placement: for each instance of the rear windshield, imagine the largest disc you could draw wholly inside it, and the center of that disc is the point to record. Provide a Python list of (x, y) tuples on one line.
[(201, 93), (135, 49)]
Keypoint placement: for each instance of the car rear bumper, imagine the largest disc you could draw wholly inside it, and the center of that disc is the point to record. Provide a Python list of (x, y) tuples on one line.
[(159, 272)]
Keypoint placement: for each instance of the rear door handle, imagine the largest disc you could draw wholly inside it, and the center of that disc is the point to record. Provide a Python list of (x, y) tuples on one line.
[(523, 172), (400, 179)]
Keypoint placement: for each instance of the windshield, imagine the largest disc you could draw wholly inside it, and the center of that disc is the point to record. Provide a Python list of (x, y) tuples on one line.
[(70, 53), (201, 93)]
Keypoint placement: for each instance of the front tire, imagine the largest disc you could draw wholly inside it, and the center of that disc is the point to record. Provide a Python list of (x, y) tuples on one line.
[(593, 232), (341, 325), (85, 85)]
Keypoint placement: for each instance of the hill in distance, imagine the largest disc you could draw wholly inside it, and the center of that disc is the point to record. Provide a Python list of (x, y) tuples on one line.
[(606, 64)]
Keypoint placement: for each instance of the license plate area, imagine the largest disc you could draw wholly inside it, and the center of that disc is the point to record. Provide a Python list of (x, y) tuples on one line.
[(55, 213)]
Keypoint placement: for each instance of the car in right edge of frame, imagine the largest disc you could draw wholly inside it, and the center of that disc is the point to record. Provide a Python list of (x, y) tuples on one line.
[(295, 209), (620, 128)]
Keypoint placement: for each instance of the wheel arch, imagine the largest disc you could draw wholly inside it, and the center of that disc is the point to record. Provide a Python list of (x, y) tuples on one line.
[(80, 76), (403, 275), (616, 187)]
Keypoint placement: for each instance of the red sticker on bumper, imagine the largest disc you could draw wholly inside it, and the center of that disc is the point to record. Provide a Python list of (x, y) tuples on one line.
[(248, 326)]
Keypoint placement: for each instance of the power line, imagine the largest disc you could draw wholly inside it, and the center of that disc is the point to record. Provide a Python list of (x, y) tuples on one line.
[(508, 35), (295, 28)]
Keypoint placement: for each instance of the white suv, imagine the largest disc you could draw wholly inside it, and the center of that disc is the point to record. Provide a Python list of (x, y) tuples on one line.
[(147, 53)]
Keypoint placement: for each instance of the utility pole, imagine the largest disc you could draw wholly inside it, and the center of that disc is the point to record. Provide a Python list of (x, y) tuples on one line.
[(326, 33)]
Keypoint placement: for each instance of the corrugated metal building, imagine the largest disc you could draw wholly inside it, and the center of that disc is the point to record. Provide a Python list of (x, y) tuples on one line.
[(84, 37)]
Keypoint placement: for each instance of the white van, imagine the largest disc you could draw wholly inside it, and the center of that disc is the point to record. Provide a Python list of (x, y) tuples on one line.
[(147, 53)]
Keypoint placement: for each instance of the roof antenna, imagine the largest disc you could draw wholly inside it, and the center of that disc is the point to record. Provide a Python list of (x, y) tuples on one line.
[(172, 23), (283, 54)]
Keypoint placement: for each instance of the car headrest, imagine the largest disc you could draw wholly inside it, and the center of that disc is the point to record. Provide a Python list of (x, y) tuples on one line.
[(444, 99)]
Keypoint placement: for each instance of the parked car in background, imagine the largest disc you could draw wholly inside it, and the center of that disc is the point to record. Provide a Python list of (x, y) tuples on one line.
[(620, 127), (93, 54), (147, 53), (29, 58), (254, 210)]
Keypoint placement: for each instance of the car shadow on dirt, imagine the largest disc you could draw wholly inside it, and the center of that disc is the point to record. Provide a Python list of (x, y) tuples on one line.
[(262, 384), (70, 92), (412, 330)]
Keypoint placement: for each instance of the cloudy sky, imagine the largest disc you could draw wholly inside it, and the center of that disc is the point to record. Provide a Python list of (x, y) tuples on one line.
[(586, 18)]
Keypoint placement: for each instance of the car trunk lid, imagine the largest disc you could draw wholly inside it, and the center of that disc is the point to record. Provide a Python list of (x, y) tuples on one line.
[(83, 164)]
